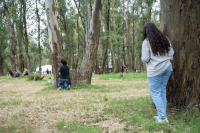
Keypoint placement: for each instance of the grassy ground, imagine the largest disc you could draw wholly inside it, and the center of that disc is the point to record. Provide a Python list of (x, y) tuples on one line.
[(109, 104)]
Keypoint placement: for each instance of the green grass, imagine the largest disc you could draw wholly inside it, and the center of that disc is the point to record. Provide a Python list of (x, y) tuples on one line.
[(12, 128), (139, 114), (14, 102), (126, 76), (75, 127)]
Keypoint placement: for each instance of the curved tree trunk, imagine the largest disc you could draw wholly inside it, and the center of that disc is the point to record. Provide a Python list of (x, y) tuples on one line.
[(180, 22), (54, 37)]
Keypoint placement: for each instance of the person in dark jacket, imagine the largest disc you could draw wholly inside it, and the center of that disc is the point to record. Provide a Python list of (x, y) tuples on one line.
[(64, 75)]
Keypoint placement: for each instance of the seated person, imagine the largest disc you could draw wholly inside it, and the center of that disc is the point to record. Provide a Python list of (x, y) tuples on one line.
[(16, 73), (64, 75)]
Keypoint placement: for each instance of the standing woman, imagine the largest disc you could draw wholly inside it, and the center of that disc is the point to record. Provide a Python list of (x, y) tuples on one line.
[(157, 53)]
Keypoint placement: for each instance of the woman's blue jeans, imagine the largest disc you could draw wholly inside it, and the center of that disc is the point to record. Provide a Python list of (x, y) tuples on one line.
[(65, 81), (157, 87)]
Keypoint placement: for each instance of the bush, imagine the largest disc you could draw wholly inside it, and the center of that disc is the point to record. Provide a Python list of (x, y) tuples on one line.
[(31, 77)]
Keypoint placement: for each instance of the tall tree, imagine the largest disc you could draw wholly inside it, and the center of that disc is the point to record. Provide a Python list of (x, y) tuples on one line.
[(26, 40), (105, 48), (13, 56), (86, 22), (180, 23), (39, 47), (20, 40), (54, 37), (93, 42)]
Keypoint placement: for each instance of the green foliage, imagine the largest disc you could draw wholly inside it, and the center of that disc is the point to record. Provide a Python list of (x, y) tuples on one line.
[(75, 127), (31, 77)]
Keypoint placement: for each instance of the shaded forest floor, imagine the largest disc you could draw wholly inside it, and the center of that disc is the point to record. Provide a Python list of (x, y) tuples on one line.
[(110, 104)]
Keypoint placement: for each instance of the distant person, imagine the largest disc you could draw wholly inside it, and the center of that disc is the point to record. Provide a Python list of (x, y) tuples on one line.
[(47, 71), (64, 75), (157, 53), (16, 73), (122, 68), (8, 73)]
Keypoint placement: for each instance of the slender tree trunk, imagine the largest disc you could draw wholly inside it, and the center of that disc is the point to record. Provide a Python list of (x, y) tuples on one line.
[(39, 47), (26, 41), (91, 7), (2, 66), (54, 37), (12, 56), (20, 40), (112, 56), (105, 49), (70, 50), (93, 41), (86, 22), (78, 42), (128, 44), (133, 48), (96, 66), (180, 23)]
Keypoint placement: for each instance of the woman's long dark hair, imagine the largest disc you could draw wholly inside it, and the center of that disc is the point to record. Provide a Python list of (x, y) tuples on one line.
[(158, 41)]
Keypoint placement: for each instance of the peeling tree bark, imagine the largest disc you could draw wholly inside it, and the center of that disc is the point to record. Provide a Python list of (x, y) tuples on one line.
[(54, 37), (180, 21), (93, 42)]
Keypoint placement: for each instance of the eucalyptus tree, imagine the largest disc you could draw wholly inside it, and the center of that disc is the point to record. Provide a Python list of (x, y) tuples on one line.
[(13, 56), (54, 37), (181, 25), (39, 47)]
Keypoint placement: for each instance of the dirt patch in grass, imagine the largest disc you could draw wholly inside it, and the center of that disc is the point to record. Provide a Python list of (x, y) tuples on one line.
[(111, 125)]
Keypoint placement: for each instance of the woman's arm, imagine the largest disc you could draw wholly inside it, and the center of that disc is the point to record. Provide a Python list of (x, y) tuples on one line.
[(146, 55)]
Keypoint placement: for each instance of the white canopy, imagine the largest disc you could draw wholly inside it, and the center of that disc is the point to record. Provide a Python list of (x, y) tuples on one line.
[(44, 69)]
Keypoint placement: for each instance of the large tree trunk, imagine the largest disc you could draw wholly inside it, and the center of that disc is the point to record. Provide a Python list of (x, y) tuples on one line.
[(54, 37), (39, 47), (26, 38), (12, 56), (93, 42), (180, 22)]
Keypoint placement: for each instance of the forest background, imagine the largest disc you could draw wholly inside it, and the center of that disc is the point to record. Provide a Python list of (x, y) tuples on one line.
[(24, 33)]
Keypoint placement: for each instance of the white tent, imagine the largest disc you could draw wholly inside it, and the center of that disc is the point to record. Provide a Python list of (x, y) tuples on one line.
[(44, 69)]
